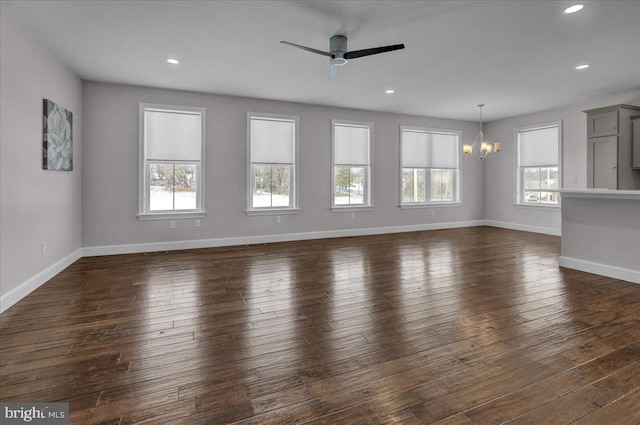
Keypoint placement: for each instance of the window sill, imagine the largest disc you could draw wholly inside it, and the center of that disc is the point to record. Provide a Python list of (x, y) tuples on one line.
[(430, 205), (537, 206), (171, 215), (351, 208), (272, 211)]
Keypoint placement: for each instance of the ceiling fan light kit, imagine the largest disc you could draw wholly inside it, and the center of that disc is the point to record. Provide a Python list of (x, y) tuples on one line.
[(340, 55)]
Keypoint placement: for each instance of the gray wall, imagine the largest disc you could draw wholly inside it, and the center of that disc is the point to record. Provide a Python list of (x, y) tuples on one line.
[(35, 205), (500, 171), (110, 179)]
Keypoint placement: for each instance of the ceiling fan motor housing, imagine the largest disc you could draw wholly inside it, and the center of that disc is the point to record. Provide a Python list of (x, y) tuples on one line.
[(338, 47)]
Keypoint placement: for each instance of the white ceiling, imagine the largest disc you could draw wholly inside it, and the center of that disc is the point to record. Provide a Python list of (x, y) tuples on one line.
[(515, 56)]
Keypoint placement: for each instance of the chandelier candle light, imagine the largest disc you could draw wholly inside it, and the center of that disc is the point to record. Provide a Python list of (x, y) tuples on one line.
[(482, 143)]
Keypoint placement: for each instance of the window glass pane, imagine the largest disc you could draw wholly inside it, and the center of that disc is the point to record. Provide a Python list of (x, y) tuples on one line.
[(270, 186), (441, 185), (160, 187), (261, 186), (350, 185), (532, 178), (413, 189), (549, 178), (280, 186), (407, 185), (342, 182), (185, 186), (357, 185), (172, 186), (531, 196), (549, 197)]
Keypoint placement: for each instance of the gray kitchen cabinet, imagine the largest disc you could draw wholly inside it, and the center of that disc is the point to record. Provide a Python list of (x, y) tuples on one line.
[(635, 119), (611, 156)]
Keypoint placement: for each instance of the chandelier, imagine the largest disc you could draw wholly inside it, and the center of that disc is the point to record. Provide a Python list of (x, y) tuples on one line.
[(481, 146)]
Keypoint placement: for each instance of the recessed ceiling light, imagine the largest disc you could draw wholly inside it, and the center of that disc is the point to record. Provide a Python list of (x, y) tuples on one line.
[(573, 9), (390, 91), (173, 61), (583, 66)]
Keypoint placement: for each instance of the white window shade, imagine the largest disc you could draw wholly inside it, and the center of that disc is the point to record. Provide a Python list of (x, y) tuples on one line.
[(272, 141), (429, 150), (539, 147), (351, 145), (173, 136)]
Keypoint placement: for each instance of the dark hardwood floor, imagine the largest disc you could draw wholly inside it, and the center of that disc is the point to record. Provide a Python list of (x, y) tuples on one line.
[(463, 326)]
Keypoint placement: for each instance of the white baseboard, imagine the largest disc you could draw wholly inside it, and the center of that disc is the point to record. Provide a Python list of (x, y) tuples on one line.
[(621, 273), (523, 227), (282, 237), (33, 283)]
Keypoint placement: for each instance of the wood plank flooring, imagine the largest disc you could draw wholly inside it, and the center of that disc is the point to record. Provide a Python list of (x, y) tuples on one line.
[(462, 326)]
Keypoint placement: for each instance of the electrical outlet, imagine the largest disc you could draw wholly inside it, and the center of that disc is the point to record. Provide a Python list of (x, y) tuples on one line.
[(572, 179), (432, 213), (172, 224), (277, 219), (353, 215), (197, 223)]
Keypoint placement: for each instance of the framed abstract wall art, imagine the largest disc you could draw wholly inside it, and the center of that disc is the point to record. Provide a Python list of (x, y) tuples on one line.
[(57, 142)]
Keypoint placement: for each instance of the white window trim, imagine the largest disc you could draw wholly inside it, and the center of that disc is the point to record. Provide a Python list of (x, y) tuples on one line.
[(294, 208), (518, 179), (352, 208), (439, 204), (457, 201), (369, 177), (143, 213), (538, 206)]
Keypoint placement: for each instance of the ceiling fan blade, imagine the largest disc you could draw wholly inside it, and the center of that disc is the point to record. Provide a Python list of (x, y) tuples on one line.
[(374, 51), (333, 71), (308, 49)]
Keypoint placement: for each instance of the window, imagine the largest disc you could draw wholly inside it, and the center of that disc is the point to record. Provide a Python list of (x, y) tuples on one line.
[(538, 164), (273, 142), (430, 171), (351, 174), (172, 140)]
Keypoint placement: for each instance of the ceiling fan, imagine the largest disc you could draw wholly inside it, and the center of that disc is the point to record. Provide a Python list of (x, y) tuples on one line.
[(339, 54)]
